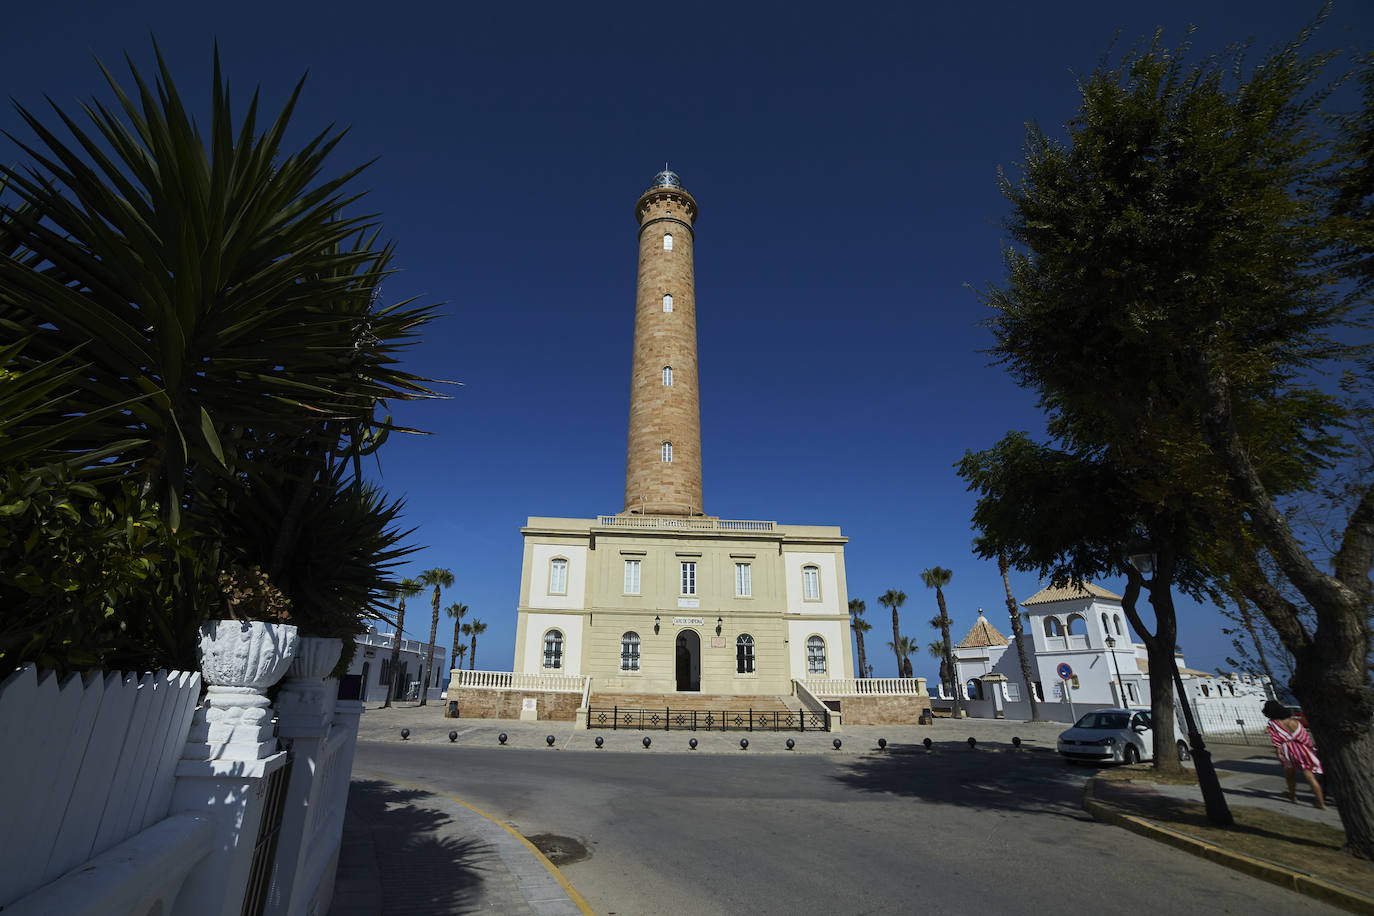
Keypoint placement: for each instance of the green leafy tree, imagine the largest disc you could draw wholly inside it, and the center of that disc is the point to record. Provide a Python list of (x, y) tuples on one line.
[(406, 588), (860, 627), (894, 598), (437, 578), (1178, 278), (456, 611), (937, 577), (475, 628)]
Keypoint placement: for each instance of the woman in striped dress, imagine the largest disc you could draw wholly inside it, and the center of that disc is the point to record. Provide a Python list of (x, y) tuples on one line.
[(1295, 750)]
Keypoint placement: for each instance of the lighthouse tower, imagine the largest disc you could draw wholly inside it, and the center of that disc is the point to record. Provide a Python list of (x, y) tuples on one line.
[(663, 462)]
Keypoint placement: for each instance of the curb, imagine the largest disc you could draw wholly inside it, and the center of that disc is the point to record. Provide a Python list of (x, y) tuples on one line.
[(1304, 884), (557, 875)]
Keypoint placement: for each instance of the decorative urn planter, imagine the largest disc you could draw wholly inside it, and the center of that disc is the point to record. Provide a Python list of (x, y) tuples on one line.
[(305, 703), (315, 657), (239, 660)]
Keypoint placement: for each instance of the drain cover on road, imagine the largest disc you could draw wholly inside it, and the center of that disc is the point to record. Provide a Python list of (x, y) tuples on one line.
[(560, 850)]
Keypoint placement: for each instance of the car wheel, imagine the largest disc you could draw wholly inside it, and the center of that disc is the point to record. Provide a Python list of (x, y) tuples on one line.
[(1130, 755), (1183, 751)]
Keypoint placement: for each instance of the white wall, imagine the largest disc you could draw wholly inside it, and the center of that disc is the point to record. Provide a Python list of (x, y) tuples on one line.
[(832, 631), (575, 598), (793, 561), (536, 625)]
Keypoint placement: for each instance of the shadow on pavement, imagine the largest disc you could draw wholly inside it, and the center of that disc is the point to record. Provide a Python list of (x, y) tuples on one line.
[(990, 777), (422, 869)]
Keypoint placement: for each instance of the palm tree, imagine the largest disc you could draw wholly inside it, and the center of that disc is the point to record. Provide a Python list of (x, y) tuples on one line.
[(440, 579), (937, 652), (938, 577), (1015, 611), (404, 589), (894, 598), (903, 646), (458, 653), (476, 628), (456, 611), (860, 627)]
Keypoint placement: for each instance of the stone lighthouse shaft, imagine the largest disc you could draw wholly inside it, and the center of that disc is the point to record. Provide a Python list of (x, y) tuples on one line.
[(663, 461)]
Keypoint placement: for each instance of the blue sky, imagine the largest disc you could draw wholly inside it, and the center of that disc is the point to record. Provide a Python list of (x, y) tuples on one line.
[(845, 165)]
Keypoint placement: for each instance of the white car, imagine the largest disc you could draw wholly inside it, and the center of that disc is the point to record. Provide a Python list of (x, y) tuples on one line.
[(1114, 736)]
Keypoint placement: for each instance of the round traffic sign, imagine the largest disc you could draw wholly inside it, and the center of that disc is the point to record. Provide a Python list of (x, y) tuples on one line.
[(1064, 671)]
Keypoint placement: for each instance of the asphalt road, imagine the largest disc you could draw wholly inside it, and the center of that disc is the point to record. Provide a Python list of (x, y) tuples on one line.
[(957, 831)]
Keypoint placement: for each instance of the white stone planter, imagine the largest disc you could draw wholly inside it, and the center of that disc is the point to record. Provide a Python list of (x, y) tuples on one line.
[(239, 661), (315, 657)]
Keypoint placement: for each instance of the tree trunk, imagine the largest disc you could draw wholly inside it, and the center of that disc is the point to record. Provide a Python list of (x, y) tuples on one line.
[(429, 654), (896, 640), (456, 621), (396, 650), (1159, 648), (863, 660), (949, 654), (1019, 634), (1331, 682), (472, 654)]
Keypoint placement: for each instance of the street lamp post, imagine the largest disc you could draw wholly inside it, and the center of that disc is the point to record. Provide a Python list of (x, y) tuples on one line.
[(1120, 685), (1212, 797)]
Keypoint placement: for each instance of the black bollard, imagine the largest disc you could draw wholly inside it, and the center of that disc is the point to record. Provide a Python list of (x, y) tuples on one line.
[(550, 739), (501, 738), (647, 742), (882, 744), (600, 741), (791, 744), (744, 744), (692, 744), (452, 737), (972, 742), (836, 743), (405, 734), (927, 743)]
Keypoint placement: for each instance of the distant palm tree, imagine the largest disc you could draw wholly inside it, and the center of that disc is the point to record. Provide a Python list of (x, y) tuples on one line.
[(404, 589), (938, 577), (903, 646), (440, 579), (860, 627), (894, 598), (476, 628), (937, 652), (1014, 610), (458, 654), (456, 611)]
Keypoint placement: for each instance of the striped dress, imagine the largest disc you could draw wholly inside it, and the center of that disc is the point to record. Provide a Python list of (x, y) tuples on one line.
[(1295, 748)]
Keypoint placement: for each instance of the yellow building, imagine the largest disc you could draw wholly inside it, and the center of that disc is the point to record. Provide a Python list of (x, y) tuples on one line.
[(662, 598)]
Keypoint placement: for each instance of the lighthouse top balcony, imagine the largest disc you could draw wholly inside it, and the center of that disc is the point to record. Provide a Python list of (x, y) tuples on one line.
[(666, 179)]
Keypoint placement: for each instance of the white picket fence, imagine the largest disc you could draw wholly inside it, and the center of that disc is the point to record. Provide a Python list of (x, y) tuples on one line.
[(88, 764), (107, 810)]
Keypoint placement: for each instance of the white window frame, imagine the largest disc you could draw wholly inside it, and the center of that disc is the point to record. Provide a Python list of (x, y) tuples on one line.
[(667, 302), (689, 577), (665, 452), (744, 586), (1013, 692), (815, 654), (553, 649), (558, 576), (632, 577), (667, 241), (629, 651), (811, 583), (667, 376)]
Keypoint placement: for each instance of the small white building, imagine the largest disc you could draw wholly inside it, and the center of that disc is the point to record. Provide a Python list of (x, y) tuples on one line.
[(1082, 657), (373, 662)]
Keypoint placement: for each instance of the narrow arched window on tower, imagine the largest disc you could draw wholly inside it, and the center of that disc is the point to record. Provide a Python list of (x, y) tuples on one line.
[(667, 453), (667, 376), (667, 242), (667, 303)]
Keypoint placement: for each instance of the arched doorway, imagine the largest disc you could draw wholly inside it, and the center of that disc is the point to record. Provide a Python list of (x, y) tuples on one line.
[(688, 661)]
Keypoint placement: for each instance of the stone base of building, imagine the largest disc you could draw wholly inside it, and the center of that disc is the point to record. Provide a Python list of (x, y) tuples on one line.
[(883, 710), (486, 703)]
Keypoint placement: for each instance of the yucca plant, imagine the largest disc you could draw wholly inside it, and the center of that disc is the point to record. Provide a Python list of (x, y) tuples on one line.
[(215, 277), (198, 312)]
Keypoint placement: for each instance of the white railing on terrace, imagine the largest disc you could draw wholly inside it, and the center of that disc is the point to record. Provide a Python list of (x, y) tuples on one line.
[(865, 686), (387, 640), (687, 524), (511, 680)]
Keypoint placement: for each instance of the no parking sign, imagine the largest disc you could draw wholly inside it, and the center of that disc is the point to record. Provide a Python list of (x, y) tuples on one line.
[(1064, 671)]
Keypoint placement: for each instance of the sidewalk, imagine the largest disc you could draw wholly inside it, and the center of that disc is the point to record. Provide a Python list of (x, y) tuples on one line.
[(409, 851)]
